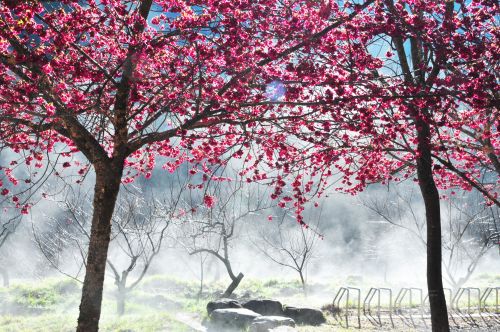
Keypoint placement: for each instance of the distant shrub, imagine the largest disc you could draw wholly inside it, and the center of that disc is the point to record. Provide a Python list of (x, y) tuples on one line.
[(271, 283), (37, 298), (66, 286), (354, 280), (34, 297)]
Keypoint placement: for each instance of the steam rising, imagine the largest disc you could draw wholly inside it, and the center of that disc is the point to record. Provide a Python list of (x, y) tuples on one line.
[(354, 244)]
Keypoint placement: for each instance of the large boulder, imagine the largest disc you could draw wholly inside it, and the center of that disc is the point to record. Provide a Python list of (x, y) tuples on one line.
[(307, 316), (222, 304), (232, 318), (266, 323), (265, 307)]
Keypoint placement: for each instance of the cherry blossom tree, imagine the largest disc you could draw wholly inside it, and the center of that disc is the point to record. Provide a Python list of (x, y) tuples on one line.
[(407, 89), (109, 86), (380, 91)]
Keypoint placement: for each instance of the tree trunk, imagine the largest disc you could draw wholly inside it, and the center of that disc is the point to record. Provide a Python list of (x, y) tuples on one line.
[(430, 194), (5, 276), (236, 281), (108, 177), (200, 292), (303, 281), (120, 301)]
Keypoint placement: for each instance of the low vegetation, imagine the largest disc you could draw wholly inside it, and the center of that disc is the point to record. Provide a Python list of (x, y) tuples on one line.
[(160, 303)]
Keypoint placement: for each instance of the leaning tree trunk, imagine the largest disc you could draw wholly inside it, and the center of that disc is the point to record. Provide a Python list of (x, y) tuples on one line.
[(108, 177), (234, 284), (430, 194)]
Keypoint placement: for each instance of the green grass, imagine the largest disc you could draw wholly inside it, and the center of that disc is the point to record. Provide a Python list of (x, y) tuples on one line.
[(39, 323), (144, 323), (195, 306), (484, 280), (66, 323), (155, 305), (38, 297), (272, 288), (52, 304)]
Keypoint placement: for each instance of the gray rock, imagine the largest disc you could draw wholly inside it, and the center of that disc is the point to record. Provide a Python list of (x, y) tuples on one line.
[(307, 316), (222, 304), (267, 323), (265, 307), (232, 318)]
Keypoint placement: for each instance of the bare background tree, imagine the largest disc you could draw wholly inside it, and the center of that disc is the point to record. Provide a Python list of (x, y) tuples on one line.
[(139, 228), (470, 228), (215, 230), (8, 225), (14, 198), (287, 244)]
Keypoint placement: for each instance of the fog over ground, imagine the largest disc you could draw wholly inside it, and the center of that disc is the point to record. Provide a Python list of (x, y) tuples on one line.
[(355, 243)]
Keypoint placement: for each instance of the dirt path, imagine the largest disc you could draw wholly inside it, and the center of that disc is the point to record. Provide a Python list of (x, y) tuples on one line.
[(190, 320)]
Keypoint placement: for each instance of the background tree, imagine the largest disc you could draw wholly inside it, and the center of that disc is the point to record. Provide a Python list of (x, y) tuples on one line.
[(139, 229), (291, 247), (8, 227), (15, 196), (127, 81), (212, 227), (470, 228)]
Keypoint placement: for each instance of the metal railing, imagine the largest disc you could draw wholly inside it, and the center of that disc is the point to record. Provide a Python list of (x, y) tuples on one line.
[(495, 315), (375, 293), (344, 292), (402, 294), (467, 305)]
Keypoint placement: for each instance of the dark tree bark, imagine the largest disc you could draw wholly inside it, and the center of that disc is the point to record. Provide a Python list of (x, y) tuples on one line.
[(108, 177), (234, 284), (430, 194)]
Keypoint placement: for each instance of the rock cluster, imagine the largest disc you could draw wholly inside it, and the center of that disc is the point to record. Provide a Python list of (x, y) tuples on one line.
[(223, 304), (259, 315)]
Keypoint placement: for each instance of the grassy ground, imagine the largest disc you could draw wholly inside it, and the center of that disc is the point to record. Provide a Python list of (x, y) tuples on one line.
[(160, 303), (52, 305)]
